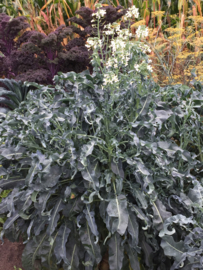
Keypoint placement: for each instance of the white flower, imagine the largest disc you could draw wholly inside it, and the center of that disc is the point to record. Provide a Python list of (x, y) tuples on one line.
[(117, 45), (99, 14), (93, 43), (144, 48), (137, 68), (132, 12), (109, 32), (109, 63), (108, 26), (149, 68), (142, 32), (110, 78)]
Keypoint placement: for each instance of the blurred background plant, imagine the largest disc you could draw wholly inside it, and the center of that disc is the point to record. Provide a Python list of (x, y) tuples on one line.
[(175, 30)]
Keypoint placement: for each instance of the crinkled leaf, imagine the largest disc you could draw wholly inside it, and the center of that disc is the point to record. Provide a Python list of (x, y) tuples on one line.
[(177, 219), (51, 178), (91, 173), (118, 208), (160, 214), (172, 248), (196, 194)]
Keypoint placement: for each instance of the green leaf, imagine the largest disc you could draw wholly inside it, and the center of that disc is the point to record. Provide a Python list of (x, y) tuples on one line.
[(177, 219), (90, 246), (172, 248), (86, 150), (133, 229), (55, 214), (90, 216), (195, 194), (91, 173), (160, 214), (31, 251), (10, 221), (140, 215), (11, 183), (51, 178), (118, 208), (133, 257), (73, 253), (117, 168), (116, 252), (12, 152), (60, 243)]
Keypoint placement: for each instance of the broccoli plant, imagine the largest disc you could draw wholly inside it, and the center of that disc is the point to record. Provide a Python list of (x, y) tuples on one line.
[(95, 173)]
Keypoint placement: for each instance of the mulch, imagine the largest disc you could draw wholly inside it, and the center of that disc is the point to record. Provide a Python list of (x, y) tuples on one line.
[(10, 255)]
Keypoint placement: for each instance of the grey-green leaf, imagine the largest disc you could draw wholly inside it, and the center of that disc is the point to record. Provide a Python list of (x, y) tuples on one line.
[(172, 248), (90, 216), (160, 214), (118, 208), (89, 244), (116, 252), (60, 243)]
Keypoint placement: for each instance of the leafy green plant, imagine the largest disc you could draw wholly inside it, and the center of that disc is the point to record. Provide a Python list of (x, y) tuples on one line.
[(14, 92), (95, 172)]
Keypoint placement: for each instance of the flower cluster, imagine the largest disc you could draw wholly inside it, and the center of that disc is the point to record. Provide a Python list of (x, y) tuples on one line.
[(112, 62), (110, 78), (123, 55), (132, 12), (99, 14), (142, 66), (149, 68), (110, 30), (142, 32), (93, 43)]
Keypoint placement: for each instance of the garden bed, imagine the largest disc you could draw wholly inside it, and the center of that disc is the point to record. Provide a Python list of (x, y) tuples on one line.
[(10, 255)]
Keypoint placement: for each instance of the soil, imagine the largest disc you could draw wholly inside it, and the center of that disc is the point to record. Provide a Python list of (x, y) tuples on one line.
[(10, 255)]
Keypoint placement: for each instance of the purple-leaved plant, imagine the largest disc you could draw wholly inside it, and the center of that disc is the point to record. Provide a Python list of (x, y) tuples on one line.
[(36, 57)]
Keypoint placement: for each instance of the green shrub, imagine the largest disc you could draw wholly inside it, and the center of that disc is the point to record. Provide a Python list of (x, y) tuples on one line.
[(94, 170)]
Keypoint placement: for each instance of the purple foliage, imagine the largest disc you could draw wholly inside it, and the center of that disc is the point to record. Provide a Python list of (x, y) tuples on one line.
[(36, 57), (9, 30)]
